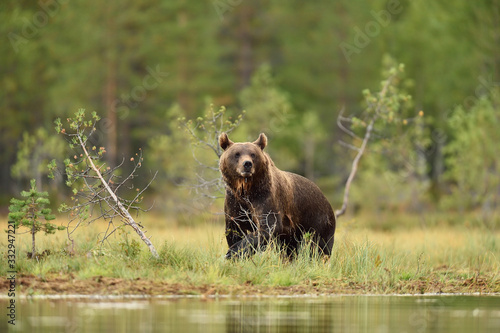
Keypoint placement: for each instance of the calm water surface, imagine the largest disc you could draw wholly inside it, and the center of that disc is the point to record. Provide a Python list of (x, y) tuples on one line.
[(319, 314)]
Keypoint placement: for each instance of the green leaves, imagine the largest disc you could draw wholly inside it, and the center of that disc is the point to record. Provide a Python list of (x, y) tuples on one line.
[(81, 128), (472, 155), (52, 166), (387, 114), (390, 104), (205, 130), (58, 125)]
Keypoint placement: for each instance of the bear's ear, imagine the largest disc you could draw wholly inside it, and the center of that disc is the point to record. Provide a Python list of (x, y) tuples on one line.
[(261, 141), (224, 141)]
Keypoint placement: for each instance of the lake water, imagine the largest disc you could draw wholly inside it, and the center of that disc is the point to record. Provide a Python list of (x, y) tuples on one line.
[(293, 314)]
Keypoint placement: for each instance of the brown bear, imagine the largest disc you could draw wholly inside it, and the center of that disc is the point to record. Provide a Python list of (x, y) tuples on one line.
[(264, 203)]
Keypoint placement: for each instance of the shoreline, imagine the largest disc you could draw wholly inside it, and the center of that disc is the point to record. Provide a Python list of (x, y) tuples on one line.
[(67, 286), (132, 297)]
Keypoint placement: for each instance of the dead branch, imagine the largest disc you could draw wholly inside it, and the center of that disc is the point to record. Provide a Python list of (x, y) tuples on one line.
[(204, 135), (119, 208), (341, 118), (362, 148), (348, 145), (354, 168)]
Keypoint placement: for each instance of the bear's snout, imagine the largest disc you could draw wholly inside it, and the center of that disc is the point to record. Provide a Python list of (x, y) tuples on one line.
[(247, 165), (246, 169)]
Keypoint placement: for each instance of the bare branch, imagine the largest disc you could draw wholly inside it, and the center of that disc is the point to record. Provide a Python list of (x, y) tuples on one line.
[(348, 145), (361, 150), (120, 209), (340, 118), (204, 134), (354, 168), (142, 191)]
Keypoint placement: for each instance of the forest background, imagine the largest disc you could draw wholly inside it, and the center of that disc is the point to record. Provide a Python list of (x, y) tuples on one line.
[(292, 66)]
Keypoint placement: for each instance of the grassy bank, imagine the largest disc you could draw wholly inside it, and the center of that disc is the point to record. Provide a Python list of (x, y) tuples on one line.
[(419, 260)]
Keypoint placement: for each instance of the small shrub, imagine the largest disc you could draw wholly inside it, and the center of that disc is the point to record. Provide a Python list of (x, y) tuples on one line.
[(131, 248), (33, 214)]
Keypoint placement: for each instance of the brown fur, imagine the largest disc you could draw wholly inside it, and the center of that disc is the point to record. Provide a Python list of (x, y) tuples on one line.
[(264, 203), (241, 186)]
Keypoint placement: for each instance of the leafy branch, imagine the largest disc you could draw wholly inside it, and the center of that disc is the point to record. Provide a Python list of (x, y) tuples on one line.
[(204, 134), (95, 185), (383, 108)]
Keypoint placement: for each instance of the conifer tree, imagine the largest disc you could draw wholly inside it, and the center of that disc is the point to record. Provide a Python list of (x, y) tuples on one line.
[(32, 213)]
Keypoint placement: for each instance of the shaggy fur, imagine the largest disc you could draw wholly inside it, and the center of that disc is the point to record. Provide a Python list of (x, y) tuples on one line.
[(264, 203)]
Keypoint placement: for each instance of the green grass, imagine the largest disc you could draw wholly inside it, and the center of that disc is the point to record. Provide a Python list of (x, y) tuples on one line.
[(454, 259)]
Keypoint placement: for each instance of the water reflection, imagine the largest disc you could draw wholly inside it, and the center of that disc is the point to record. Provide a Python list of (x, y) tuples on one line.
[(326, 314)]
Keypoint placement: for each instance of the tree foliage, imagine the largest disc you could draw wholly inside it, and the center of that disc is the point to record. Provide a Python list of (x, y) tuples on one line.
[(33, 154), (473, 165), (32, 212), (134, 61), (385, 126), (203, 134)]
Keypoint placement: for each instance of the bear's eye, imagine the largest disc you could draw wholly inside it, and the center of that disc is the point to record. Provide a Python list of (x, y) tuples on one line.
[(237, 155), (253, 155)]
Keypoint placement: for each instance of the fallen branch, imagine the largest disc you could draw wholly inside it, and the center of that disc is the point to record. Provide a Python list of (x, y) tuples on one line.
[(95, 185), (121, 210)]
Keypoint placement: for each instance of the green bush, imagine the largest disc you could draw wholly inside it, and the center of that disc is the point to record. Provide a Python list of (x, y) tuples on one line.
[(472, 158), (33, 214)]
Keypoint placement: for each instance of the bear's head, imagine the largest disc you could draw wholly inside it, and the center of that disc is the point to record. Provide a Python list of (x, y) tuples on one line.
[(241, 161)]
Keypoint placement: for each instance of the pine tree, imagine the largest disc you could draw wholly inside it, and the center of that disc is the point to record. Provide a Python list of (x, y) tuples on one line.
[(32, 213)]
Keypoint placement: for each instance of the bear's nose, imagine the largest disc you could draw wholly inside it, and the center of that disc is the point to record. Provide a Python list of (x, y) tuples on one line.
[(247, 165)]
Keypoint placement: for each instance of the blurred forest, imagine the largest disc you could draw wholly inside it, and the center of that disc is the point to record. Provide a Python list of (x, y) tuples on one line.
[(291, 65)]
